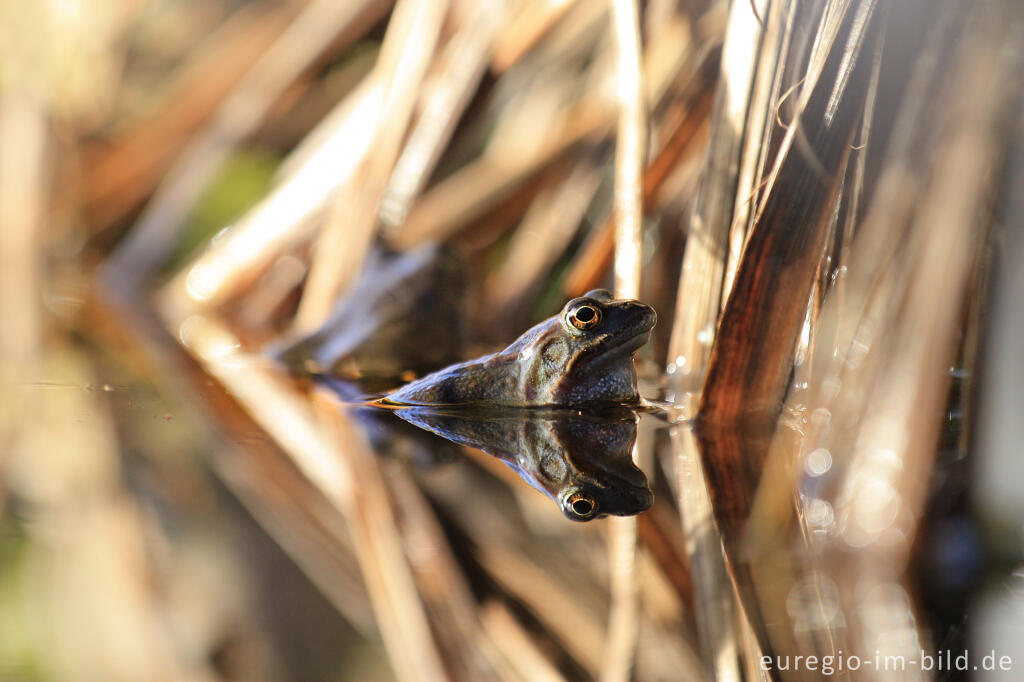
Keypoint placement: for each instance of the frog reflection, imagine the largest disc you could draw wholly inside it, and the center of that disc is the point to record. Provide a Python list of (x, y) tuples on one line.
[(405, 314), (581, 461), (583, 355)]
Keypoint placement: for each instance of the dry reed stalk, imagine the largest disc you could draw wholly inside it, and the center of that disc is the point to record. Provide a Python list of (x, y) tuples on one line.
[(593, 260), (313, 30), (884, 489), (24, 145), (334, 458), (666, 553), (525, 26), (700, 285), (461, 65), (627, 212), (769, 91), (286, 216), (533, 132), (784, 249), (767, 306), (463, 197), (556, 588), (299, 519), (516, 645), (869, 262), (698, 303), (551, 601), (544, 232), (457, 622), (352, 219), (479, 186), (586, 23)]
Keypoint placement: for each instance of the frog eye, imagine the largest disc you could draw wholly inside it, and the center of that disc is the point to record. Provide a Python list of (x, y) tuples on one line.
[(583, 316), (581, 507)]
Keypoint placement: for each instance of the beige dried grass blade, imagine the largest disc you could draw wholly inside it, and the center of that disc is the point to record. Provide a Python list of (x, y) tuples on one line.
[(898, 432), (519, 650), (766, 96), (767, 307), (759, 326), (697, 306), (461, 65), (551, 601), (544, 232), (455, 619), (346, 474), (287, 215), (700, 285), (627, 212), (591, 263), (480, 185), (352, 219), (525, 27), (313, 30)]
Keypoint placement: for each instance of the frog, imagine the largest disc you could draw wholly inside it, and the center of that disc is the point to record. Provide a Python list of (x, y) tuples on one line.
[(583, 355), (582, 460), (404, 316)]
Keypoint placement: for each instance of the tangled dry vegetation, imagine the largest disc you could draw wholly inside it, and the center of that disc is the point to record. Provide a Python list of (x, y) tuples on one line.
[(821, 200)]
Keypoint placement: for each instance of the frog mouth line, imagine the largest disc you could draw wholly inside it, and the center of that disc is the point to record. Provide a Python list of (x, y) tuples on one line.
[(636, 340), (615, 348)]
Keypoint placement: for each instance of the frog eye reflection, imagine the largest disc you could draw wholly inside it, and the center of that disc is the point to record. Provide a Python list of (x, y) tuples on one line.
[(583, 316), (581, 506)]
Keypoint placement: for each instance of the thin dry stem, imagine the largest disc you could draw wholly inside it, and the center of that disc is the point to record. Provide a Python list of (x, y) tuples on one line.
[(287, 215), (461, 65), (552, 603), (698, 302), (478, 186), (314, 438), (155, 235), (481, 185), (627, 209), (700, 291), (515, 644), (525, 28), (352, 219), (543, 234)]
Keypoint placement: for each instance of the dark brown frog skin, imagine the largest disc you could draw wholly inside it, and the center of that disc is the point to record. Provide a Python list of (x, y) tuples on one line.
[(406, 312), (583, 355), (582, 461)]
